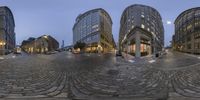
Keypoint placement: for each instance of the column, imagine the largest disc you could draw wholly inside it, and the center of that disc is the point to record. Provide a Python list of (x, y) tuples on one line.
[(137, 44), (150, 47)]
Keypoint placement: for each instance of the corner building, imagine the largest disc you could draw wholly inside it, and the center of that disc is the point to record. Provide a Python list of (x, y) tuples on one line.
[(94, 28), (141, 31), (187, 31), (7, 34)]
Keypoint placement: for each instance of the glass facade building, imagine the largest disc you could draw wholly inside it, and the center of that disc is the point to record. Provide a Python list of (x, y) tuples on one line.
[(95, 29), (141, 31), (187, 31), (7, 34)]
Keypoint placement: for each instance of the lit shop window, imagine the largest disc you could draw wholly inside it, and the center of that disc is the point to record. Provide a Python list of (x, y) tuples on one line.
[(131, 48), (143, 48), (142, 26)]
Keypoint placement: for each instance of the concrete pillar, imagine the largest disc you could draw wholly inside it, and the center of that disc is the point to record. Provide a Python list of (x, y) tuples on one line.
[(150, 49), (137, 44)]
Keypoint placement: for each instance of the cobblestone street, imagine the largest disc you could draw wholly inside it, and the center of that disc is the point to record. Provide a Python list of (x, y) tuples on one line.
[(64, 76)]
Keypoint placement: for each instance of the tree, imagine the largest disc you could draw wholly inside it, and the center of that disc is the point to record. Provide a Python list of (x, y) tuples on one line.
[(80, 45)]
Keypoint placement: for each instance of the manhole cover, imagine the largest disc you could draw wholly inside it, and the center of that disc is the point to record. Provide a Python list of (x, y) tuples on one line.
[(113, 72)]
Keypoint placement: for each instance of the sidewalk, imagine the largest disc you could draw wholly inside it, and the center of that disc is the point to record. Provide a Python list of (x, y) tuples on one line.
[(132, 59), (9, 56), (192, 55)]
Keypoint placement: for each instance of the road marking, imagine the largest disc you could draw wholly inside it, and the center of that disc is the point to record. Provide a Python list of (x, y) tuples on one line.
[(152, 61)]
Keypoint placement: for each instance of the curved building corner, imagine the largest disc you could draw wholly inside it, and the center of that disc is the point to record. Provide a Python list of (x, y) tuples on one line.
[(141, 31), (94, 28), (187, 31), (7, 31)]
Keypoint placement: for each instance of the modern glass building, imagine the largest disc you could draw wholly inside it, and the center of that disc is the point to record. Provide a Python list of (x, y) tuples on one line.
[(141, 31), (7, 34), (94, 28), (187, 31)]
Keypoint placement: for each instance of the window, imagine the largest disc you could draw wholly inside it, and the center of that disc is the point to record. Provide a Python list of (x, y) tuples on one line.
[(197, 35), (189, 46), (196, 45), (132, 26), (197, 13), (142, 16), (189, 27), (142, 26), (189, 38), (148, 29), (89, 38), (95, 26)]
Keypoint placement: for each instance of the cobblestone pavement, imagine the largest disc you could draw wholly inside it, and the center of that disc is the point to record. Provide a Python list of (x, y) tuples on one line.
[(31, 77), (64, 76), (174, 75)]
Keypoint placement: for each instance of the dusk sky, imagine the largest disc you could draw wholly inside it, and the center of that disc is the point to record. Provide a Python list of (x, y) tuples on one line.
[(34, 18)]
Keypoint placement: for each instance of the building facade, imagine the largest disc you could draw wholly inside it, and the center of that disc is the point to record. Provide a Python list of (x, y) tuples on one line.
[(187, 31), (94, 28), (7, 34), (141, 31), (41, 44)]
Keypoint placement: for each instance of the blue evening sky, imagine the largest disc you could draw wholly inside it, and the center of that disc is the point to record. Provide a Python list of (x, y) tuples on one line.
[(34, 18)]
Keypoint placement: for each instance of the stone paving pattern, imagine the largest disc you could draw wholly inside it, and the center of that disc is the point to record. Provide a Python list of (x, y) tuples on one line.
[(63, 76)]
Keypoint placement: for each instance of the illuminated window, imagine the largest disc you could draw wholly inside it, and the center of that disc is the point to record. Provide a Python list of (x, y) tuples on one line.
[(142, 26), (142, 16), (132, 48), (132, 26), (148, 29), (189, 27)]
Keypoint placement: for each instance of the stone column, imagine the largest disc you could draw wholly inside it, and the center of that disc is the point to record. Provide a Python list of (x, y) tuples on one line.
[(137, 44), (150, 49)]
